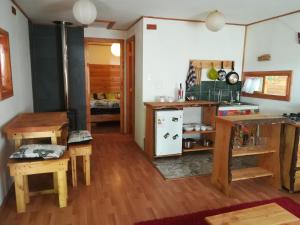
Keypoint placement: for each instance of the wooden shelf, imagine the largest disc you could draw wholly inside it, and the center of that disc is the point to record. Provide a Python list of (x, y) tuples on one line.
[(198, 148), (251, 150), (199, 132), (248, 173)]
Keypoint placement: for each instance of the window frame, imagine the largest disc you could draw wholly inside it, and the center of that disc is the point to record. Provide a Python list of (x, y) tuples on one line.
[(6, 90), (264, 74)]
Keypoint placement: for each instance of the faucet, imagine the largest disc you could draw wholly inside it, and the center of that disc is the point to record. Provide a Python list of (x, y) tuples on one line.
[(238, 96), (231, 97)]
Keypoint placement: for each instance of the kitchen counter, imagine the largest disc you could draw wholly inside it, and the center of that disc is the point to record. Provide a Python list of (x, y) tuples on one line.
[(253, 118), (160, 105), (208, 114)]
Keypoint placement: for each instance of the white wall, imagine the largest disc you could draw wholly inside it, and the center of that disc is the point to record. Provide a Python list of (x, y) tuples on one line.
[(101, 54), (22, 101), (98, 32), (279, 38), (168, 49)]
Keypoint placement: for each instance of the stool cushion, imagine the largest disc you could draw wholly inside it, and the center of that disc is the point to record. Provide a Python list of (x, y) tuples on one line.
[(45, 151), (79, 136)]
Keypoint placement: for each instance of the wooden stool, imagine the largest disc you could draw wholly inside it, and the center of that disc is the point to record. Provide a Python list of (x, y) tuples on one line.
[(84, 150), (20, 169)]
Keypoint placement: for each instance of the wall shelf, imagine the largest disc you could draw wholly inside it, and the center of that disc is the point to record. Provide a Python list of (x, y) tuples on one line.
[(248, 173), (199, 132), (252, 150), (198, 148)]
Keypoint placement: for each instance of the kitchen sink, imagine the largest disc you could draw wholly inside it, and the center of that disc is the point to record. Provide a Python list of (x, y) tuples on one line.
[(234, 103)]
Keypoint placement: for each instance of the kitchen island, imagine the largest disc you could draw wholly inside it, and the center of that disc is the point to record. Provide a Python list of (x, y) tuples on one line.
[(233, 139)]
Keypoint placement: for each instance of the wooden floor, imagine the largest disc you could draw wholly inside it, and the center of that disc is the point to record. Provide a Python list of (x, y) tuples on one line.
[(106, 127), (126, 189)]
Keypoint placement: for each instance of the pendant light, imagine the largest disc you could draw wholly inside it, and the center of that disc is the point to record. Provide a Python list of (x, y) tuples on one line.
[(115, 49), (215, 21), (84, 11)]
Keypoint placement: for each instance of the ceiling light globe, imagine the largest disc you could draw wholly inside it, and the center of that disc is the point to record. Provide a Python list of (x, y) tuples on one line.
[(115, 49), (215, 21), (84, 11)]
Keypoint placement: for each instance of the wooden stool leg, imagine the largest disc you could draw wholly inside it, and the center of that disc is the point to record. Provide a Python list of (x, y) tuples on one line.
[(20, 194), (83, 165), (87, 169), (26, 189), (62, 188), (55, 185), (74, 171)]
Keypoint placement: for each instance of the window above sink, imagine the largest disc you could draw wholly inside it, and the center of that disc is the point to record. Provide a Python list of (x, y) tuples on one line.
[(274, 85)]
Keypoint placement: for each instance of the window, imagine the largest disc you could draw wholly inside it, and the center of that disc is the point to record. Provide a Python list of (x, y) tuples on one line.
[(267, 84), (6, 87)]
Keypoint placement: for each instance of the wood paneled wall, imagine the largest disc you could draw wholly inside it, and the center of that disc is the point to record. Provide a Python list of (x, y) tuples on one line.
[(104, 78)]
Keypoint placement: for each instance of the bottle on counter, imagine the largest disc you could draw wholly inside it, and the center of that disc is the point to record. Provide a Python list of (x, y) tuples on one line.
[(180, 93)]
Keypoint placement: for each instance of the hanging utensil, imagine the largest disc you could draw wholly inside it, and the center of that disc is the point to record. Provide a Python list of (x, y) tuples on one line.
[(232, 77), (222, 73), (212, 73), (199, 74)]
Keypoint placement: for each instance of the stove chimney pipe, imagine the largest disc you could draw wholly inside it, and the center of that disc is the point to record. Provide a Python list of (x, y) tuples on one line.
[(64, 48)]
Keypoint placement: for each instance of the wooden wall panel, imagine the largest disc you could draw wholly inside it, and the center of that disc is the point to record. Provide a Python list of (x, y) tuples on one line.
[(104, 78)]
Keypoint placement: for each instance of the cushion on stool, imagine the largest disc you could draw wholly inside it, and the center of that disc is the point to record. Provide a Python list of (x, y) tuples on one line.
[(45, 151), (79, 136)]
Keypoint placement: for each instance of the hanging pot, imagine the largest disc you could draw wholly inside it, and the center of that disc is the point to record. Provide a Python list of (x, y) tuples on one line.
[(222, 73), (232, 77), (212, 73)]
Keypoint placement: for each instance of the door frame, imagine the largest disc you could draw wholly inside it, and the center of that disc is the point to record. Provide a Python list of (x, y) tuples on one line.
[(87, 80), (130, 118)]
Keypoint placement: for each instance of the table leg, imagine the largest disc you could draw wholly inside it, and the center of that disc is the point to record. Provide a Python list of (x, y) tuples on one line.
[(74, 171), (20, 195), (26, 189), (54, 140), (18, 143), (87, 170), (62, 188)]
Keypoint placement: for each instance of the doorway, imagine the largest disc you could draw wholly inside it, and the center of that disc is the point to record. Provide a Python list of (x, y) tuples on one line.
[(104, 60), (130, 86)]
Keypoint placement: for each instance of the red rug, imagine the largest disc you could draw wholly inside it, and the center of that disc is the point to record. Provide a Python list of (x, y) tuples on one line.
[(198, 218)]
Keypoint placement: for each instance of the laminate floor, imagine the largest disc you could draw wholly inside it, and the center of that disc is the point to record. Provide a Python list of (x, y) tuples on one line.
[(125, 189), (106, 127)]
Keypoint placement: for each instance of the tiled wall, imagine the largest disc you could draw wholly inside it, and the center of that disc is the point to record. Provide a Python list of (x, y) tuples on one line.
[(209, 90)]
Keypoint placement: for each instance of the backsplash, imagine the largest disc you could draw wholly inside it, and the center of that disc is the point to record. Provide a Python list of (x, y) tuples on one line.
[(210, 90)]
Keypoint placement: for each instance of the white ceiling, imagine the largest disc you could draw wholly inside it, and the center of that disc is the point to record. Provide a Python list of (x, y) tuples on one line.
[(125, 12)]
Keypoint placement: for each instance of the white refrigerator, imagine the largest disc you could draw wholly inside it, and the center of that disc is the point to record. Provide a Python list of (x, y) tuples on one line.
[(168, 132)]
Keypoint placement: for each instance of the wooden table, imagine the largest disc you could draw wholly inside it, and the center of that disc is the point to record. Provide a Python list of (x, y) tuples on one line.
[(270, 214), (22, 168), (36, 125)]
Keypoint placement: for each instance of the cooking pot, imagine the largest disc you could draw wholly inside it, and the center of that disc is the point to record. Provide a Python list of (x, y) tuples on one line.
[(222, 73), (206, 142), (232, 77), (188, 143)]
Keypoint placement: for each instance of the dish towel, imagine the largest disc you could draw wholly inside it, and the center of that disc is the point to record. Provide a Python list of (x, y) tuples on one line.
[(191, 77)]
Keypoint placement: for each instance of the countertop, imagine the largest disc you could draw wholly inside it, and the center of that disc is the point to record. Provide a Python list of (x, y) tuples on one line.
[(200, 103), (253, 118)]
